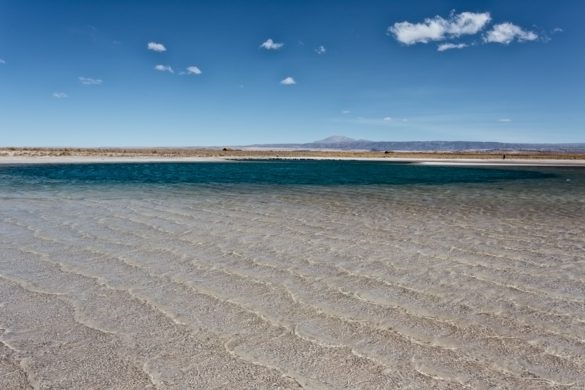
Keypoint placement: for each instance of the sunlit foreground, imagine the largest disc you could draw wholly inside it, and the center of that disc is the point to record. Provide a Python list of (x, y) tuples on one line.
[(460, 278)]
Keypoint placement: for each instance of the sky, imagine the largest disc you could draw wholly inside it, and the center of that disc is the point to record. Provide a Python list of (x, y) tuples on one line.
[(217, 72)]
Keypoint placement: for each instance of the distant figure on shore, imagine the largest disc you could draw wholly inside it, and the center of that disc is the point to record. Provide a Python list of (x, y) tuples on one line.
[(503, 156)]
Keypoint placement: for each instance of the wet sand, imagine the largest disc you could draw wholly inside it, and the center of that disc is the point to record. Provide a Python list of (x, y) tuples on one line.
[(339, 287)]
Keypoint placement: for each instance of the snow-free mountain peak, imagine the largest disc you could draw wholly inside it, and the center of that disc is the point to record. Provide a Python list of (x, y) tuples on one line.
[(335, 139)]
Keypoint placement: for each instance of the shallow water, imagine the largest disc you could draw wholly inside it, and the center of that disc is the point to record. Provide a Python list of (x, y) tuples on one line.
[(321, 275)]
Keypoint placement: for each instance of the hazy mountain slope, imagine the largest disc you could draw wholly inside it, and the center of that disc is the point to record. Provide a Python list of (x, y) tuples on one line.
[(346, 143)]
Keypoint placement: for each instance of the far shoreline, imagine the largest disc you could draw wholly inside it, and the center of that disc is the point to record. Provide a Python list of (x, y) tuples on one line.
[(17, 156)]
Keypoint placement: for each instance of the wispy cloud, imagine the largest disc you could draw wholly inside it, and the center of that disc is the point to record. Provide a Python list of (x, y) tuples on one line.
[(193, 70), (288, 81), (60, 95), (505, 120), (321, 50), (439, 28), (386, 121), (546, 36), (89, 81), (164, 68), (269, 44), (2, 61), (506, 33), (449, 46), (155, 46), (86, 31), (345, 112)]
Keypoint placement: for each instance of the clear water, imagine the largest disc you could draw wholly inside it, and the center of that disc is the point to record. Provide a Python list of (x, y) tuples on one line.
[(291, 274), (277, 172)]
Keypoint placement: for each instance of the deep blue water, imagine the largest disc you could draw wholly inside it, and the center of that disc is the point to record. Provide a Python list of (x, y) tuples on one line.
[(277, 172)]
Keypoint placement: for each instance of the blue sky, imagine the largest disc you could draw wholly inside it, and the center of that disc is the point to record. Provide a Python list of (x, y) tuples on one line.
[(81, 73)]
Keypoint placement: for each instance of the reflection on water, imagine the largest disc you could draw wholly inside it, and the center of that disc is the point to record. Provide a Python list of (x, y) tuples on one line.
[(291, 275)]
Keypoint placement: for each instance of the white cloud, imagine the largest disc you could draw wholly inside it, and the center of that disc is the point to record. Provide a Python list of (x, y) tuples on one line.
[(158, 47), (90, 81), (269, 44), (60, 95), (505, 120), (468, 23), (557, 30), (438, 28), (320, 50), (164, 68), (505, 33), (387, 118), (193, 70), (2, 61), (345, 112), (288, 81), (449, 46)]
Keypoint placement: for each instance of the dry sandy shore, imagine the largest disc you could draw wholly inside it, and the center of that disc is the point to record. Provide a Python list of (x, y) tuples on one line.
[(90, 155)]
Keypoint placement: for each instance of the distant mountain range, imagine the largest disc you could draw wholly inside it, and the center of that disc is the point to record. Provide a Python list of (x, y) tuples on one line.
[(338, 142)]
